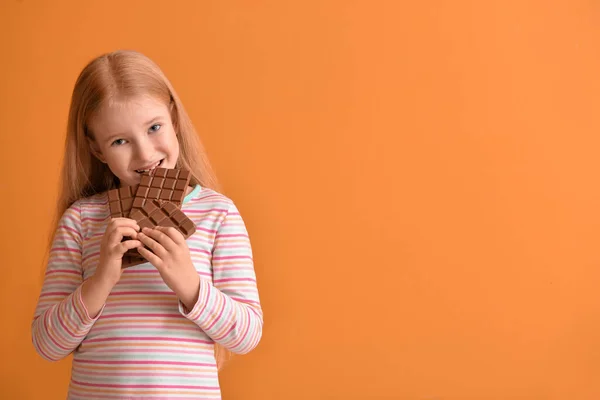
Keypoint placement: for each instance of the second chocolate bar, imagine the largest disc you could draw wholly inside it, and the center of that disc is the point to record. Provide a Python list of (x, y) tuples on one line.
[(158, 213), (120, 201)]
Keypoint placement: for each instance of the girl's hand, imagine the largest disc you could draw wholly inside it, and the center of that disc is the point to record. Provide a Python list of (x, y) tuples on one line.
[(113, 247), (171, 256)]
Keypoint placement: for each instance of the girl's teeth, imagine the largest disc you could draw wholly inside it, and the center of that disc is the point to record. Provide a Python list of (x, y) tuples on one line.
[(141, 171)]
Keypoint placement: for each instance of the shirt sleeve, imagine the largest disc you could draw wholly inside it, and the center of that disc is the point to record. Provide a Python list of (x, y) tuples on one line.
[(229, 310), (61, 320)]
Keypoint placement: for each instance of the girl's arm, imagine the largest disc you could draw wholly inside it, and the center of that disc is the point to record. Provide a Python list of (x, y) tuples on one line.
[(229, 312), (61, 319)]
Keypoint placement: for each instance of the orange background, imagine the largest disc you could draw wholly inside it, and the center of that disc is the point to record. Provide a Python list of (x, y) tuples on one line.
[(420, 181)]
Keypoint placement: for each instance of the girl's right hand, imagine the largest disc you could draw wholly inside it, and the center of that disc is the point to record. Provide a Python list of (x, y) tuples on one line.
[(113, 247)]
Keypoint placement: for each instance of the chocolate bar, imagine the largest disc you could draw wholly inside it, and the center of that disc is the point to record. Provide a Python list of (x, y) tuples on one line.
[(120, 201), (164, 184), (132, 260), (159, 213), (162, 190)]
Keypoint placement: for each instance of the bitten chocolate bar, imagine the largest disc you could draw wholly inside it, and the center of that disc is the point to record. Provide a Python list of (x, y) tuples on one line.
[(162, 184)]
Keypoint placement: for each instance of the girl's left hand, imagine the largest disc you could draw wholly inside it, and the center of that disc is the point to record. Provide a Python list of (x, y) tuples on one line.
[(171, 257)]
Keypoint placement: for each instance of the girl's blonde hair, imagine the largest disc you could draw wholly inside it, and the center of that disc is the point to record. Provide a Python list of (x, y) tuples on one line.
[(122, 73)]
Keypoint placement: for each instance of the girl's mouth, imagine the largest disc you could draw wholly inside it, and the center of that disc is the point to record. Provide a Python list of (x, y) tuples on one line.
[(158, 164)]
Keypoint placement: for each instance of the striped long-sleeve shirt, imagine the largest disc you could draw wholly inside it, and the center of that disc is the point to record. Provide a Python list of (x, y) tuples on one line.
[(144, 343)]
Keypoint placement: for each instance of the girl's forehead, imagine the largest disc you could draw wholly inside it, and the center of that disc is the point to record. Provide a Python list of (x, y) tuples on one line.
[(132, 104), (131, 107), (120, 114)]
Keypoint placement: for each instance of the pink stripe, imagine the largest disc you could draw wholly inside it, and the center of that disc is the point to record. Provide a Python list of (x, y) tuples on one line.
[(227, 332), (82, 317), (156, 374), (68, 228), (141, 292), (209, 210), (147, 362), (148, 338), (243, 337), (65, 261), (46, 294), (232, 235), (127, 303), (49, 336), (232, 258), (200, 251), (146, 350), (84, 395), (152, 280), (63, 271), (71, 334), (93, 219), (248, 301), (221, 311), (141, 315), (146, 386), (139, 327), (63, 282), (206, 298), (235, 280), (65, 249)]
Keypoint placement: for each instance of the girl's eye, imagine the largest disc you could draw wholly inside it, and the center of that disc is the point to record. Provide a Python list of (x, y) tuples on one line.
[(155, 127), (118, 142)]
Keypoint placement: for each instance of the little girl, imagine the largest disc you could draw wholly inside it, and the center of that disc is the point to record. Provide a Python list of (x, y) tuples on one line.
[(148, 331)]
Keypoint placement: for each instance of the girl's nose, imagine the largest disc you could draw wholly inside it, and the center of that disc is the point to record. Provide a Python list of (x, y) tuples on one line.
[(144, 150)]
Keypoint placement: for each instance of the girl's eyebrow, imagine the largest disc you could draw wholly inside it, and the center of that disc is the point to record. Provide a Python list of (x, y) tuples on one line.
[(154, 120)]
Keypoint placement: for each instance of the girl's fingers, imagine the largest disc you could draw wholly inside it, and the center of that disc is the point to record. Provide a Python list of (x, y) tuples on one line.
[(117, 236), (172, 233), (161, 238), (152, 244), (122, 222), (130, 244), (151, 257)]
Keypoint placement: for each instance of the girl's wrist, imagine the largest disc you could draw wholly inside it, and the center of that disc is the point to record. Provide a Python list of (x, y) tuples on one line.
[(102, 281), (190, 292)]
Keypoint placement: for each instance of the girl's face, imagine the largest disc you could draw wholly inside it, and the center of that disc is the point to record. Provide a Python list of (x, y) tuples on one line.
[(134, 135)]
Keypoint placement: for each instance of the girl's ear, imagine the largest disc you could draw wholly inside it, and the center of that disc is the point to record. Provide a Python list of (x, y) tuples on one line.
[(173, 114), (95, 150)]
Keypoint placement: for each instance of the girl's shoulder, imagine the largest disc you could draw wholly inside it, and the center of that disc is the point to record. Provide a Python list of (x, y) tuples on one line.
[(204, 200), (96, 200), (95, 204), (202, 196)]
